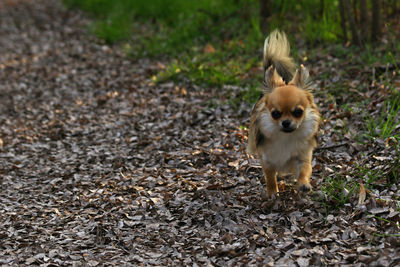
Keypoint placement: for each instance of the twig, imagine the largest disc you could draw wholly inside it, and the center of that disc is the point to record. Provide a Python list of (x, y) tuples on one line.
[(194, 147), (332, 146)]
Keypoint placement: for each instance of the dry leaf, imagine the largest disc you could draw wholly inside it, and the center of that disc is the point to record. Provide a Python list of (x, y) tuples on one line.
[(209, 49), (160, 66), (362, 195)]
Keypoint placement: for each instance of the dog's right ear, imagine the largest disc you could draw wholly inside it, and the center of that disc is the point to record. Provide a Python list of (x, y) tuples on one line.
[(300, 78), (272, 79)]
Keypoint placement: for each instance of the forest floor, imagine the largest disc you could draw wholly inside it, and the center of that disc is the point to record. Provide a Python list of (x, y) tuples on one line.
[(101, 166)]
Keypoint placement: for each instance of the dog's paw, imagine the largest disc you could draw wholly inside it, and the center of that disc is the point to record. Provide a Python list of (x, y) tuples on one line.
[(269, 196), (305, 188)]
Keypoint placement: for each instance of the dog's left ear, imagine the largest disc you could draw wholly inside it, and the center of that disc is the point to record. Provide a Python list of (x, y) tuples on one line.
[(300, 78), (272, 79)]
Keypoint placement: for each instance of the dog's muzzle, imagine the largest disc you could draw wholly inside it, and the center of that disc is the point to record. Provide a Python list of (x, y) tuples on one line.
[(287, 126)]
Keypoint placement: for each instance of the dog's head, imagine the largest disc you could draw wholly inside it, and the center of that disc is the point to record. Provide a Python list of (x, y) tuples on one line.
[(288, 106)]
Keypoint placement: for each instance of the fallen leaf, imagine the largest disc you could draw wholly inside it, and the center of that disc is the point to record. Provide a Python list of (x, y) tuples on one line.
[(209, 49), (362, 195)]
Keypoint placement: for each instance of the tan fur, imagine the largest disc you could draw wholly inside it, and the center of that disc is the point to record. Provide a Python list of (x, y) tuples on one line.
[(277, 54), (284, 144)]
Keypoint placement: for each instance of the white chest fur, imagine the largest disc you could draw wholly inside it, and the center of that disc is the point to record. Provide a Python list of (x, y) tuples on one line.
[(284, 152)]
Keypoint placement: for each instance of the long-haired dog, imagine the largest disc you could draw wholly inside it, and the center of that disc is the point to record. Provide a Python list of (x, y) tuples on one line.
[(284, 122)]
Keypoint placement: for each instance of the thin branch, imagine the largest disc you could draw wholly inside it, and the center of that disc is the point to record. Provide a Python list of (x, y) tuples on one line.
[(331, 146)]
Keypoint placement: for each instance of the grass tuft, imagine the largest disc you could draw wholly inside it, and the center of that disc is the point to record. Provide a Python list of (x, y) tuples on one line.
[(387, 124), (338, 190)]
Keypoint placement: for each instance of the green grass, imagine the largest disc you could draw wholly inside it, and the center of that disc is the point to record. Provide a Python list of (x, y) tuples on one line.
[(338, 191), (212, 69), (372, 178), (387, 124), (398, 204)]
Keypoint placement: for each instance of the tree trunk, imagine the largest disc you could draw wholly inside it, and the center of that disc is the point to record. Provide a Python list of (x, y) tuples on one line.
[(364, 19), (394, 7), (352, 23), (265, 13), (321, 8), (343, 21), (355, 13), (376, 20)]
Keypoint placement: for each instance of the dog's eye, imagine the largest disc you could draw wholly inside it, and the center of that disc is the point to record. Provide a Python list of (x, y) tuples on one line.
[(276, 114), (297, 112)]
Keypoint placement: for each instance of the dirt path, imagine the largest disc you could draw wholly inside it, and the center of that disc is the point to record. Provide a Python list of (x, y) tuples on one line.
[(98, 165)]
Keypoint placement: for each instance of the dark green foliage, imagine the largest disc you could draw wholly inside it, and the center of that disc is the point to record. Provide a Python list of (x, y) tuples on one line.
[(169, 27)]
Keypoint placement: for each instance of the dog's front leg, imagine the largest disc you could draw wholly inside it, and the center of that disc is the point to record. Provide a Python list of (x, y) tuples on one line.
[(270, 179), (304, 177)]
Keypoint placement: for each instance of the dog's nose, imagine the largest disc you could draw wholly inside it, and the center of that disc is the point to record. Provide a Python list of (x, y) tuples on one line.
[(286, 123)]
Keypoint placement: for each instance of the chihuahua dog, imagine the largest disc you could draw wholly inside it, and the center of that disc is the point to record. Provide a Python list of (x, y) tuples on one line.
[(284, 121)]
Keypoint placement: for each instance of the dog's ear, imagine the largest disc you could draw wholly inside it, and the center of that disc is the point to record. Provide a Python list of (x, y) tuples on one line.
[(272, 79), (300, 78)]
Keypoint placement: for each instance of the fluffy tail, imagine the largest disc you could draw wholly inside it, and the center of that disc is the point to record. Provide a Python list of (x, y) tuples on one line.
[(277, 53)]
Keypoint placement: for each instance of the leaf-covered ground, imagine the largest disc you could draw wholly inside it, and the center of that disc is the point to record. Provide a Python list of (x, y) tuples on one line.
[(98, 165)]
